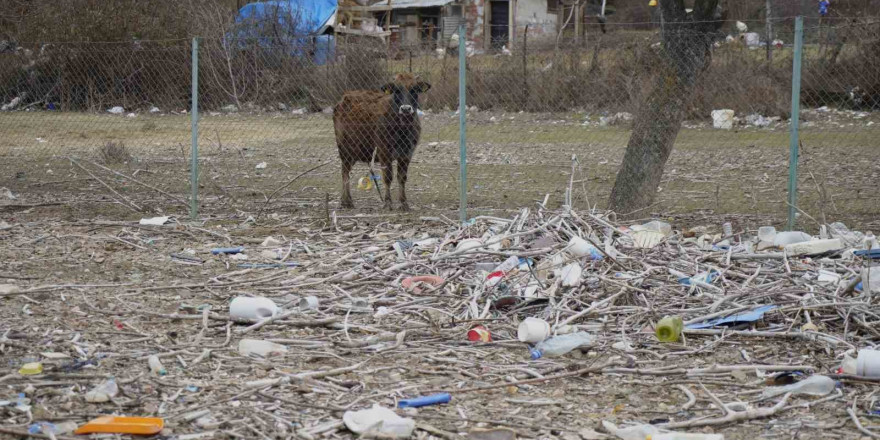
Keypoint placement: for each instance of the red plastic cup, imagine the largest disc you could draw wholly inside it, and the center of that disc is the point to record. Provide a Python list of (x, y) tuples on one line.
[(479, 334)]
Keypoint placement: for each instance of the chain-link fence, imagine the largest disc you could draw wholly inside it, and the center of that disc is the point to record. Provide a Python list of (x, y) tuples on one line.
[(91, 125)]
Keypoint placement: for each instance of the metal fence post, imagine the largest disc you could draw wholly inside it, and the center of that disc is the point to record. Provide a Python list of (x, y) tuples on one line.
[(794, 139), (462, 120), (194, 118)]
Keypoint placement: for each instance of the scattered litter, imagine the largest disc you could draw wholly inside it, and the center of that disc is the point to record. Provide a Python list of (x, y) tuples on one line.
[(154, 221), (722, 119), (479, 334), (560, 345), (31, 368), (669, 329), (417, 402), (378, 421), (271, 242), (260, 348), (116, 110), (123, 425), (252, 308), (812, 386), (261, 166), (103, 393), (230, 250), (737, 318), (533, 330)]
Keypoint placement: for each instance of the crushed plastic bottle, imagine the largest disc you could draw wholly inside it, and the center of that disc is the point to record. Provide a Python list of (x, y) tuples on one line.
[(817, 385), (560, 345), (790, 237), (156, 366), (104, 392)]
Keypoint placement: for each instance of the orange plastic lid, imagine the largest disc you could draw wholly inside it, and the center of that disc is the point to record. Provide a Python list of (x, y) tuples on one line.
[(122, 425)]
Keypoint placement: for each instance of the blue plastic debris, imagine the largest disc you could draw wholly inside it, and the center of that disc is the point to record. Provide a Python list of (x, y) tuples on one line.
[(433, 399), (873, 254), (231, 250), (738, 318), (705, 277)]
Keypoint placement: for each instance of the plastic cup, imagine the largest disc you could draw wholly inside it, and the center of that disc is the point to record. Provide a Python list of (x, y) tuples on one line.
[(533, 330), (868, 363), (766, 234), (245, 307), (309, 303), (579, 247), (479, 334)]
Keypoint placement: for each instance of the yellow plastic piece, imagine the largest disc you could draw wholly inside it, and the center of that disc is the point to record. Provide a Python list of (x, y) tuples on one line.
[(31, 368), (652, 3), (669, 329), (123, 425), (365, 183)]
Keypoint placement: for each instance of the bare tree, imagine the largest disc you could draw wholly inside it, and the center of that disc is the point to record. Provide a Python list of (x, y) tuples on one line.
[(687, 38)]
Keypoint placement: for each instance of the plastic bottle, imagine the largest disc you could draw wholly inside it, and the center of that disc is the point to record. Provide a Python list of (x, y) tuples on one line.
[(104, 392), (669, 329), (727, 229), (870, 241), (767, 234), (812, 386), (658, 226), (156, 366), (560, 345), (790, 237)]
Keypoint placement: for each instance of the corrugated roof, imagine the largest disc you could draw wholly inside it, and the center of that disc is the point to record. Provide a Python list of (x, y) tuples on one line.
[(405, 4)]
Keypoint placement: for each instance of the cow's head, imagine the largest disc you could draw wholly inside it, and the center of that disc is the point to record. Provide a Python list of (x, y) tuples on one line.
[(404, 91)]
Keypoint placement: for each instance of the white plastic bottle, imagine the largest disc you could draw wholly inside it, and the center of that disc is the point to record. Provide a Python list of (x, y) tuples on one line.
[(560, 345), (156, 366), (870, 241)]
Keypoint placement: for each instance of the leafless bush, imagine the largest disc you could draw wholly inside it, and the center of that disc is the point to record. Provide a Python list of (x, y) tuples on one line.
[(113, 153)]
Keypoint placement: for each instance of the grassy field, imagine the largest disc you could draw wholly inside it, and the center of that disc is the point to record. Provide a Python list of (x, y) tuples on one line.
[(514, 160)]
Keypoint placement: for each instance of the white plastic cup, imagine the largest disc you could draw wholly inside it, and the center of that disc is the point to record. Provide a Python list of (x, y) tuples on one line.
[(533, 330), (309, 303), (246, 307), (579, 247), (766, 234), (868, 363)]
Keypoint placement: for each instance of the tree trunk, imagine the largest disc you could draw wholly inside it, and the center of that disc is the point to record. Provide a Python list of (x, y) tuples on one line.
[(687, 42)]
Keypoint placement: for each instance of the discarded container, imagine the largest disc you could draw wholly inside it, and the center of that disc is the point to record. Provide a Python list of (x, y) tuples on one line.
[(849, 365), (767, 234), (433, 280), (31, 368), (154, 221), (229, 250), (479, 334), (727, 229), (571, 275), (378, 420), (365, 183), (868, 363), (468, 244), (533, 330), (813, 247), (122, 425), (785, 238), (817, 385), (417, 402), (737, 318), (827, 277), (508, 264), (156, 366), (871, 278), (722, 119), (582, 248), (870, 241), (260, 348), (104, 392), (250, 308), (669, 329), (560, 345), (309, 303)]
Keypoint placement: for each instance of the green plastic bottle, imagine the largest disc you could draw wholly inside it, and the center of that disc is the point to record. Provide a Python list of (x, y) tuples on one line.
[(669, 329)]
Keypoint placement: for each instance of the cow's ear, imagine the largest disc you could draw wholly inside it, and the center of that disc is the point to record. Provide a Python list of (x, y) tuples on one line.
[(387, 88), (423, 86)]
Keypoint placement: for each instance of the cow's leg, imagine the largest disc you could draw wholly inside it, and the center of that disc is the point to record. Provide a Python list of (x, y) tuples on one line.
[(387, 177), (402, 170), (347, 164)]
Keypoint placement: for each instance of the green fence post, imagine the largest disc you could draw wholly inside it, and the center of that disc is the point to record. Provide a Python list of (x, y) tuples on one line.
[(194, 118), (794, 140), (462, 123)]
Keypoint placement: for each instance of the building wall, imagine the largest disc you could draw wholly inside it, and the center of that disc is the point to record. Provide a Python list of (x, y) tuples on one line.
[(534, 13), (475, 14)]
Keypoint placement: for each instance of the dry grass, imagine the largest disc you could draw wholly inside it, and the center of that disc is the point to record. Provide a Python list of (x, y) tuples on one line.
[(113, 153)]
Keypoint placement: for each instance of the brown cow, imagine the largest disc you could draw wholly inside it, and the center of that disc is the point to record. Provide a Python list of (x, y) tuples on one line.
[(385, 122)]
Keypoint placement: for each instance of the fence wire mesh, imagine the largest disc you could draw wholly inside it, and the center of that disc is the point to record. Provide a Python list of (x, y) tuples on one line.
[(544, 111)]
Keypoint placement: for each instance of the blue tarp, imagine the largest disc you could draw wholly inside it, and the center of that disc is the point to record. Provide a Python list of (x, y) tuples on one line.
[(303, 25)]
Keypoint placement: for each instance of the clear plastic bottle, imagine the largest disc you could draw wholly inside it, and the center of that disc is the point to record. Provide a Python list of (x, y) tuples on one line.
[(104, 392), (812, 386), (870, 241), (156, 366), (560, 345), (669, 329)]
